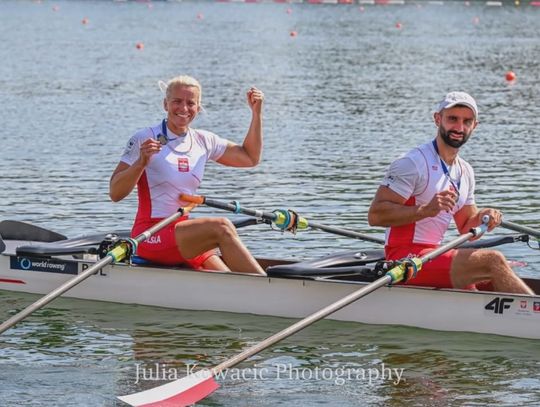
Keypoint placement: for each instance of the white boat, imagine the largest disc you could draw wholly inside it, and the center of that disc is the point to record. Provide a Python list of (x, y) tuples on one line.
[(35, 260)]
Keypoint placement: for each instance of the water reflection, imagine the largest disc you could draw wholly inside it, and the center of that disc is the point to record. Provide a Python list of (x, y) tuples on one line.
[(344, 98)]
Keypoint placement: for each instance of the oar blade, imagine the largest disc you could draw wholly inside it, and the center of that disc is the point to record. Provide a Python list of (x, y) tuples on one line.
[(179, 393)]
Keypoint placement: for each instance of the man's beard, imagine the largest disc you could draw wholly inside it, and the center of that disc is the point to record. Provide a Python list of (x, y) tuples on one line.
[(445, 135)]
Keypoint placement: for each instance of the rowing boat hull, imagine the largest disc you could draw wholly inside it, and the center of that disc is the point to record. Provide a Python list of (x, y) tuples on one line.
[(445, 310)]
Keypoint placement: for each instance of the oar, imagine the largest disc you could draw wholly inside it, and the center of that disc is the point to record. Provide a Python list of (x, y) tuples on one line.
[(118, 253), (281, 218), (196, 386), (519, 228)]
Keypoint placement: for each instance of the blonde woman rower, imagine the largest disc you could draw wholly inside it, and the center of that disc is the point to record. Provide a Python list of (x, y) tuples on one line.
[(168, 159)]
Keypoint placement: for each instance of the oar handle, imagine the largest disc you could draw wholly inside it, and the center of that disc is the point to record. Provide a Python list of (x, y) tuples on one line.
[(474, 232), (278, 217), (519, 228), (227, 206)]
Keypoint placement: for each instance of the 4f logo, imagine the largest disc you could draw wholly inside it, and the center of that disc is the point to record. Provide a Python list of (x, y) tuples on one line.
[(498, 304)]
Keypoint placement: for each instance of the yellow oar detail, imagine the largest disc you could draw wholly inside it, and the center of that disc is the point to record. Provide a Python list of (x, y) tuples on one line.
[(405, 270)]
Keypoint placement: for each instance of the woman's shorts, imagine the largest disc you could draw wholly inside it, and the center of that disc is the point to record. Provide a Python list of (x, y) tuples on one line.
[(161, 247)]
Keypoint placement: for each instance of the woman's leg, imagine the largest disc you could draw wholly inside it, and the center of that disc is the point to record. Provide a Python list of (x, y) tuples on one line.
[(196, 236)]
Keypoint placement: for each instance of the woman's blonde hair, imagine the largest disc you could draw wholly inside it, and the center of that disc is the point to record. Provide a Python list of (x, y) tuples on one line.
[(183, 80)]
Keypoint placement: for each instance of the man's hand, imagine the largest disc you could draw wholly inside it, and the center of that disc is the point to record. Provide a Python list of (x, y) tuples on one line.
[(442, 201), (495, 217)]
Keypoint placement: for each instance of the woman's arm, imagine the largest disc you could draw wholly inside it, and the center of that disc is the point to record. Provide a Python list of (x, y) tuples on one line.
[(249, 153), (125, 176)]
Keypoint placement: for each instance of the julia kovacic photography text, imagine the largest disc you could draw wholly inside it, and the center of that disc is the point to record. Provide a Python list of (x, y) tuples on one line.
[(339, 376)]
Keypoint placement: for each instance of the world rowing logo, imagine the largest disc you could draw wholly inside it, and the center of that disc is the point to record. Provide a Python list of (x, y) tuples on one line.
[(43, 265), (25, 263)]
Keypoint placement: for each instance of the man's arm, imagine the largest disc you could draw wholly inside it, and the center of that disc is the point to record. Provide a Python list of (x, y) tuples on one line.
[(388, 208), (470, 216)]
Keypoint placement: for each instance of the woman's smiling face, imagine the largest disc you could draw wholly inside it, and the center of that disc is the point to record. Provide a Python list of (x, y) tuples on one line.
[(182, 106)]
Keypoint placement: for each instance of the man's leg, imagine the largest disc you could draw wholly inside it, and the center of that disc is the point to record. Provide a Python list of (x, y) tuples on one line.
[(474, 265)]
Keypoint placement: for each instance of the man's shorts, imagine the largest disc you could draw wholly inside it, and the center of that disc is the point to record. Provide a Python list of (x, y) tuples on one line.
[(435, 273), (161, 247)]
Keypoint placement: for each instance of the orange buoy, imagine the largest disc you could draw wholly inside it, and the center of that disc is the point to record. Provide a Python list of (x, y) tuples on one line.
[(289, 10), (293, 33), (55, 8), (476, 20), (399, 26), (510, 76), (85, 21), (139, 45), (200, 16)]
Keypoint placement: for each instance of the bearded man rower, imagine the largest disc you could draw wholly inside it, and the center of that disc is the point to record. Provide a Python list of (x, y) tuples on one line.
[(420, 194)]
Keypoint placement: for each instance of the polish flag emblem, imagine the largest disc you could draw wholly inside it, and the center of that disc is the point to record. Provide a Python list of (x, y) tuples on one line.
[(183, 164)]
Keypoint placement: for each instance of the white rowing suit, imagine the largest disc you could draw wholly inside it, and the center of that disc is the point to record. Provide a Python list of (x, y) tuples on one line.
[(177, 168), (418, 176)]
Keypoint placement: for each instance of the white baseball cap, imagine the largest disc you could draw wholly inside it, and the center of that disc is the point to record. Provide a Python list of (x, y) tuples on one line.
[(458, 98)]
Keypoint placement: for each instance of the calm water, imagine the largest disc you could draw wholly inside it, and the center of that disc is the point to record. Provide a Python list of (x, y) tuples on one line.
[(343, 98)]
